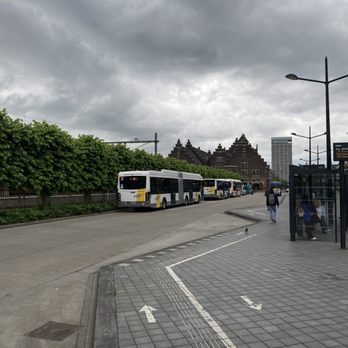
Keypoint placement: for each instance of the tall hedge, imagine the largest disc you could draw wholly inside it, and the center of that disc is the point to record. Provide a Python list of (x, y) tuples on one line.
[(42, 158)]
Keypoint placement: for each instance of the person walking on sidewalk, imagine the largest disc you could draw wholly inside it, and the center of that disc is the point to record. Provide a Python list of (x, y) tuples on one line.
[(272, 203)]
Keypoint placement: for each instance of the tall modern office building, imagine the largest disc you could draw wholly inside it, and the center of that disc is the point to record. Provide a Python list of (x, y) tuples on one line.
[(281, 156)]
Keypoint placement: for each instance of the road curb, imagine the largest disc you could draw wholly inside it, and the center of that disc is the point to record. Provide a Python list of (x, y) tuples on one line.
[(105, 328), (243, 216), (87, 322)]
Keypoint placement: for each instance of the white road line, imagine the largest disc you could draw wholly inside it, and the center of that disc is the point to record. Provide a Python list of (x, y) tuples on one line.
[(207, 317), (211, 251)]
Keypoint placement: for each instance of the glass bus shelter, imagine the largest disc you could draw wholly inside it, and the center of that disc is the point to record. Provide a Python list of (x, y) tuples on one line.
[(314, 203)]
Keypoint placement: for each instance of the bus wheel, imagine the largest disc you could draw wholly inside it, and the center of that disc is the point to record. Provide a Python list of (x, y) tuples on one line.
[(186, 201), (164, 204)]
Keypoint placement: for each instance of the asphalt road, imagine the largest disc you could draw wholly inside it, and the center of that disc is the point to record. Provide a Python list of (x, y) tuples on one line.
[(46, 269)]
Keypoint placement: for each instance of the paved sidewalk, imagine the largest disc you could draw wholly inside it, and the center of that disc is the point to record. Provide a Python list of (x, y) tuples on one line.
[(235, 289)]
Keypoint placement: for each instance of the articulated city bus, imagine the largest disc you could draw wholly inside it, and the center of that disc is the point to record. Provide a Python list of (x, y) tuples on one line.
[(158, 189), (217, 188), (235, 189)]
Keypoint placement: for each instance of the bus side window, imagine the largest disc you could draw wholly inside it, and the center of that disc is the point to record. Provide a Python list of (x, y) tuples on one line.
[(156, 185), (166, 185), (174, 185), (153, 185)]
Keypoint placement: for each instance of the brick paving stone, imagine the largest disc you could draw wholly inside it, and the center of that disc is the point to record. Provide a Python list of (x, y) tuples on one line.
[(181, 342), (331, 343), (142, 340), (304, 338), (343, 340), (257, 345), (147, 345), (288, 341), (274, 344), (315, 344)]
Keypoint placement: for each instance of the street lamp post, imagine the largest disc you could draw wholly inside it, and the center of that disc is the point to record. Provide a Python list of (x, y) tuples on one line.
[(326, 82), (317, 152), (310, 137)]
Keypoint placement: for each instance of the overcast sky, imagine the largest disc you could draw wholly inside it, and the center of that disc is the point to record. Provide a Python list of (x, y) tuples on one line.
[(204, 70)]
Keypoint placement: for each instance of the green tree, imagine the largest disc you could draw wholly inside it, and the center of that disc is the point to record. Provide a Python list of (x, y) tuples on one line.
[(13, 156), (91, 158), (50, 159)]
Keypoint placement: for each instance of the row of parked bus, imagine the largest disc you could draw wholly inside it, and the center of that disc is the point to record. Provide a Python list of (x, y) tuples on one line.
[(160, 189)]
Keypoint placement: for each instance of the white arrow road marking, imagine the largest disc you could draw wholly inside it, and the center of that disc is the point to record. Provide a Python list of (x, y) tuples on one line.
[(251, 303), (148, 311)]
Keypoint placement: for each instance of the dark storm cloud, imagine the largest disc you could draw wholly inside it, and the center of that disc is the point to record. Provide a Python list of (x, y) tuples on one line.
[(201, 70)]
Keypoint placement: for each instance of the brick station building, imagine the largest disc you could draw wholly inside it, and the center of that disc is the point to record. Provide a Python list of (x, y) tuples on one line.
[(240, 157)]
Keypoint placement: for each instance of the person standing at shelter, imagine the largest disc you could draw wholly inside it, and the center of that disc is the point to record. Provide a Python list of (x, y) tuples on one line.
[(310, 217), (321, 219), (272, 203)]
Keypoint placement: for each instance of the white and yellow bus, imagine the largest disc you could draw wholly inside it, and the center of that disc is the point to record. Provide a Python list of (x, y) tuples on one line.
[(235, 188), (216, 188), (158, 189)]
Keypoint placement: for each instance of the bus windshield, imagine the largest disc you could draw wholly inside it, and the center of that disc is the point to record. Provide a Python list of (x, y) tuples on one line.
[(132, 182), (209, 183)]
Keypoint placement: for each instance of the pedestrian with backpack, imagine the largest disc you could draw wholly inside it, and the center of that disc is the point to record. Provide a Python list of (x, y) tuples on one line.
[(272, 203)]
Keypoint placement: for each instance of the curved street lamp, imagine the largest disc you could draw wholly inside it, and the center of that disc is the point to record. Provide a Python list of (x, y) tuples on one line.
[(310, 137), (326, 83)]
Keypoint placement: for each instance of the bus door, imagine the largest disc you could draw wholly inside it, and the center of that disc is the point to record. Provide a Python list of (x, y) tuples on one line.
[(172, 198), (188, 187), (181, 188)]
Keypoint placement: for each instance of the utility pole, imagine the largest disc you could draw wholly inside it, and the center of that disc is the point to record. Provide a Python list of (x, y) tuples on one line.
[(136, 141)]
